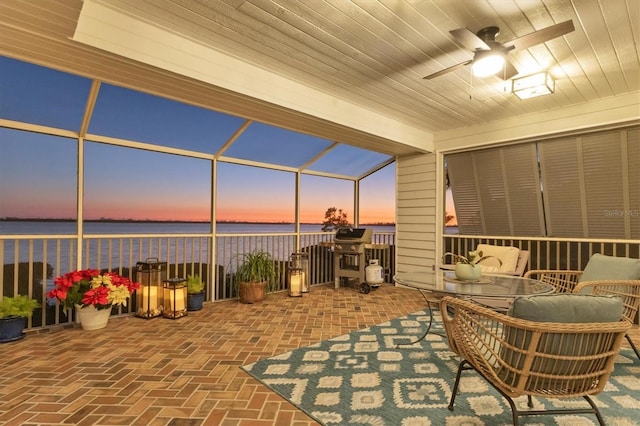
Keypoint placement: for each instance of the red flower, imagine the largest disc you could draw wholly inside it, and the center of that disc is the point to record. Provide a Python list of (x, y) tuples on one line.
[(96, 296), (57, 293), (78, 287), (63, 282)]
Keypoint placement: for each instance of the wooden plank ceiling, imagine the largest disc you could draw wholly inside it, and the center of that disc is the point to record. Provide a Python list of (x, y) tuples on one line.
[(371, 53)]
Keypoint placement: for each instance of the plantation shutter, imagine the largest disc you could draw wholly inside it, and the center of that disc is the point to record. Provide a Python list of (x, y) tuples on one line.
[(563, 190), (591, 185), (633, 167), (462, 181), (523, 182), (603, 178), (496, 191)]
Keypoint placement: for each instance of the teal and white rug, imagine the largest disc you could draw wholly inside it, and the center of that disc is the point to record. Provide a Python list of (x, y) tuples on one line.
[(363, 378)]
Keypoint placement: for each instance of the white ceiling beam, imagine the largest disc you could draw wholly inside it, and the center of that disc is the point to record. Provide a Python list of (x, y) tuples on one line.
[(105, 27), (611, 111)]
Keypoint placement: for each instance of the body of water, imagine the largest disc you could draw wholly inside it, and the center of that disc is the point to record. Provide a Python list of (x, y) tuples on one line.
[(123, 250), (69, 228)]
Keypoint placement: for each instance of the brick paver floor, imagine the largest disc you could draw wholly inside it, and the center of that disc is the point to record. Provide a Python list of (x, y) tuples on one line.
[(185, 371)]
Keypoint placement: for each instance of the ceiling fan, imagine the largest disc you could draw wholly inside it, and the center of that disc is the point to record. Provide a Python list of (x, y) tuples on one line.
[(490, 56)]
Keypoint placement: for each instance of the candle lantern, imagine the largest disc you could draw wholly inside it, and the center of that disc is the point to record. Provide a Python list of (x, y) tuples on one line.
[(175, 298), (149, 274), (304, 259), (295, 281), (301, 261)]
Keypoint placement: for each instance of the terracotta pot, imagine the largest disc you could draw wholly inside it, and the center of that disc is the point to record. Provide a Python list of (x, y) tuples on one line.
[(467, 272), (252, 292)]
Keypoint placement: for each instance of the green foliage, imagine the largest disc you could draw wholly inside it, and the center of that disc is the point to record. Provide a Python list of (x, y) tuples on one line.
[(334, 219), (194, 284), (472, 258), (18, 306), (257, 266), (75, 293)]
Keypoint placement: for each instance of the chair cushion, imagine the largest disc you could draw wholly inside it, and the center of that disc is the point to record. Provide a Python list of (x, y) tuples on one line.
[(507, 254), (602, 267), (562, 355), (567, 308)]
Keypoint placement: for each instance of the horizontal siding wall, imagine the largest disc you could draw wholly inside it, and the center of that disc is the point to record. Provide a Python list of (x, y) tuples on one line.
[(416, 213)]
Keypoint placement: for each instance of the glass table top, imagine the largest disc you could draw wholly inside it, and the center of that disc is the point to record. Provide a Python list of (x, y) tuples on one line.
[(445, 282)]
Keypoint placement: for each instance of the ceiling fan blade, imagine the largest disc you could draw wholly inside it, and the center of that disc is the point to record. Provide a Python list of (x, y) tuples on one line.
[(541, 36), (446, 70), (469, 39)]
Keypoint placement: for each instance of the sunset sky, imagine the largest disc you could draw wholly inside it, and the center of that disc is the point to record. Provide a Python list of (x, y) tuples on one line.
[(38, 171), (124, 183)]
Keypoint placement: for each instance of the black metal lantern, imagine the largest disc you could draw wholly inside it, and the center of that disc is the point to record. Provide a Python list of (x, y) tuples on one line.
[(175, 298), (150, 274)]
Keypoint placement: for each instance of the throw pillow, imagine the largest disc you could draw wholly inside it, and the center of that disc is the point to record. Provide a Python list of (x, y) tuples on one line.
[(507, 254)]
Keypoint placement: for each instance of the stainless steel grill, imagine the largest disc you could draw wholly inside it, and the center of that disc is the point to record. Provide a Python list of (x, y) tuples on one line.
[(349, 254)]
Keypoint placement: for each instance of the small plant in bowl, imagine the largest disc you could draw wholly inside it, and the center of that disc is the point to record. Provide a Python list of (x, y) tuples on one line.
[(255, 276), (14, 312), (195, 293), (467, 267)]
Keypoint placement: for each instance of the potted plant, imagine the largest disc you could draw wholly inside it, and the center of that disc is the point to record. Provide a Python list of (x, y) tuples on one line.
[(14, 312), (255, 276), (467, 267), (195, 293), (92, 293)]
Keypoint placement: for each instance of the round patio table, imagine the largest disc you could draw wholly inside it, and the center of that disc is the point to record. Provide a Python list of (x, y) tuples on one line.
[(494, 286)]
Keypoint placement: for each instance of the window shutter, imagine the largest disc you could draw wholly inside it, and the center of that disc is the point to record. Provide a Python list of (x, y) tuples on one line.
[(587, 187), (603, 178), (465, 193), (591, 185), (562, 189), (491, 188), (496, 191), (523, 185), (632, 217)]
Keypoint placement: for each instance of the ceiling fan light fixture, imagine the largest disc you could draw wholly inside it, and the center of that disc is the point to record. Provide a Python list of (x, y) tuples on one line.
[(486, 64), (533, 85)]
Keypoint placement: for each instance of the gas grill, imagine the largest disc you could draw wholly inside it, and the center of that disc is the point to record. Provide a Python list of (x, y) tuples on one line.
[(349, 254)]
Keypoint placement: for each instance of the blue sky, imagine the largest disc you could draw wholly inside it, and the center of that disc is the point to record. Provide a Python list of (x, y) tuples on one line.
[(38, 171)]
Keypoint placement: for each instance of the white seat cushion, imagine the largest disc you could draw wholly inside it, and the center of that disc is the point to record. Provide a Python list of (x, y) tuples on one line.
[(489, 269), (507, 254)]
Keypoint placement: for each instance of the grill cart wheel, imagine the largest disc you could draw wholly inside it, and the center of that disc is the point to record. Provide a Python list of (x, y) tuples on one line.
[(365, 288)]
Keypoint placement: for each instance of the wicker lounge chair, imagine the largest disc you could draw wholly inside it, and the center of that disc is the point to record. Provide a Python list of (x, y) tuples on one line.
[(628, 290), (602, 275), (563, 281), (538, 359), (600, 267), (515, 261)]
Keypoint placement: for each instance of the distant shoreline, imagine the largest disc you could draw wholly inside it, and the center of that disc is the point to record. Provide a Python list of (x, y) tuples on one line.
[(232, 222)]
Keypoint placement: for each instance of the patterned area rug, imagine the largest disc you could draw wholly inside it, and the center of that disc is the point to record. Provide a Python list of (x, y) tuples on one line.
[(363, 378)]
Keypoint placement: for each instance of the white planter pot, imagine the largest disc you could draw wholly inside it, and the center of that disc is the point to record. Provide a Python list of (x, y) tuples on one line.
[(468, 272), (91, 318)]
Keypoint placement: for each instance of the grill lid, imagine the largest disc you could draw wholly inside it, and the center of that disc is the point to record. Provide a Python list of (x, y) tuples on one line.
[(353, 235)]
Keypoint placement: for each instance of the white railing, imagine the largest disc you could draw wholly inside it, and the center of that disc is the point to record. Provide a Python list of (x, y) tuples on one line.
[(31, 262), (548, 253)]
